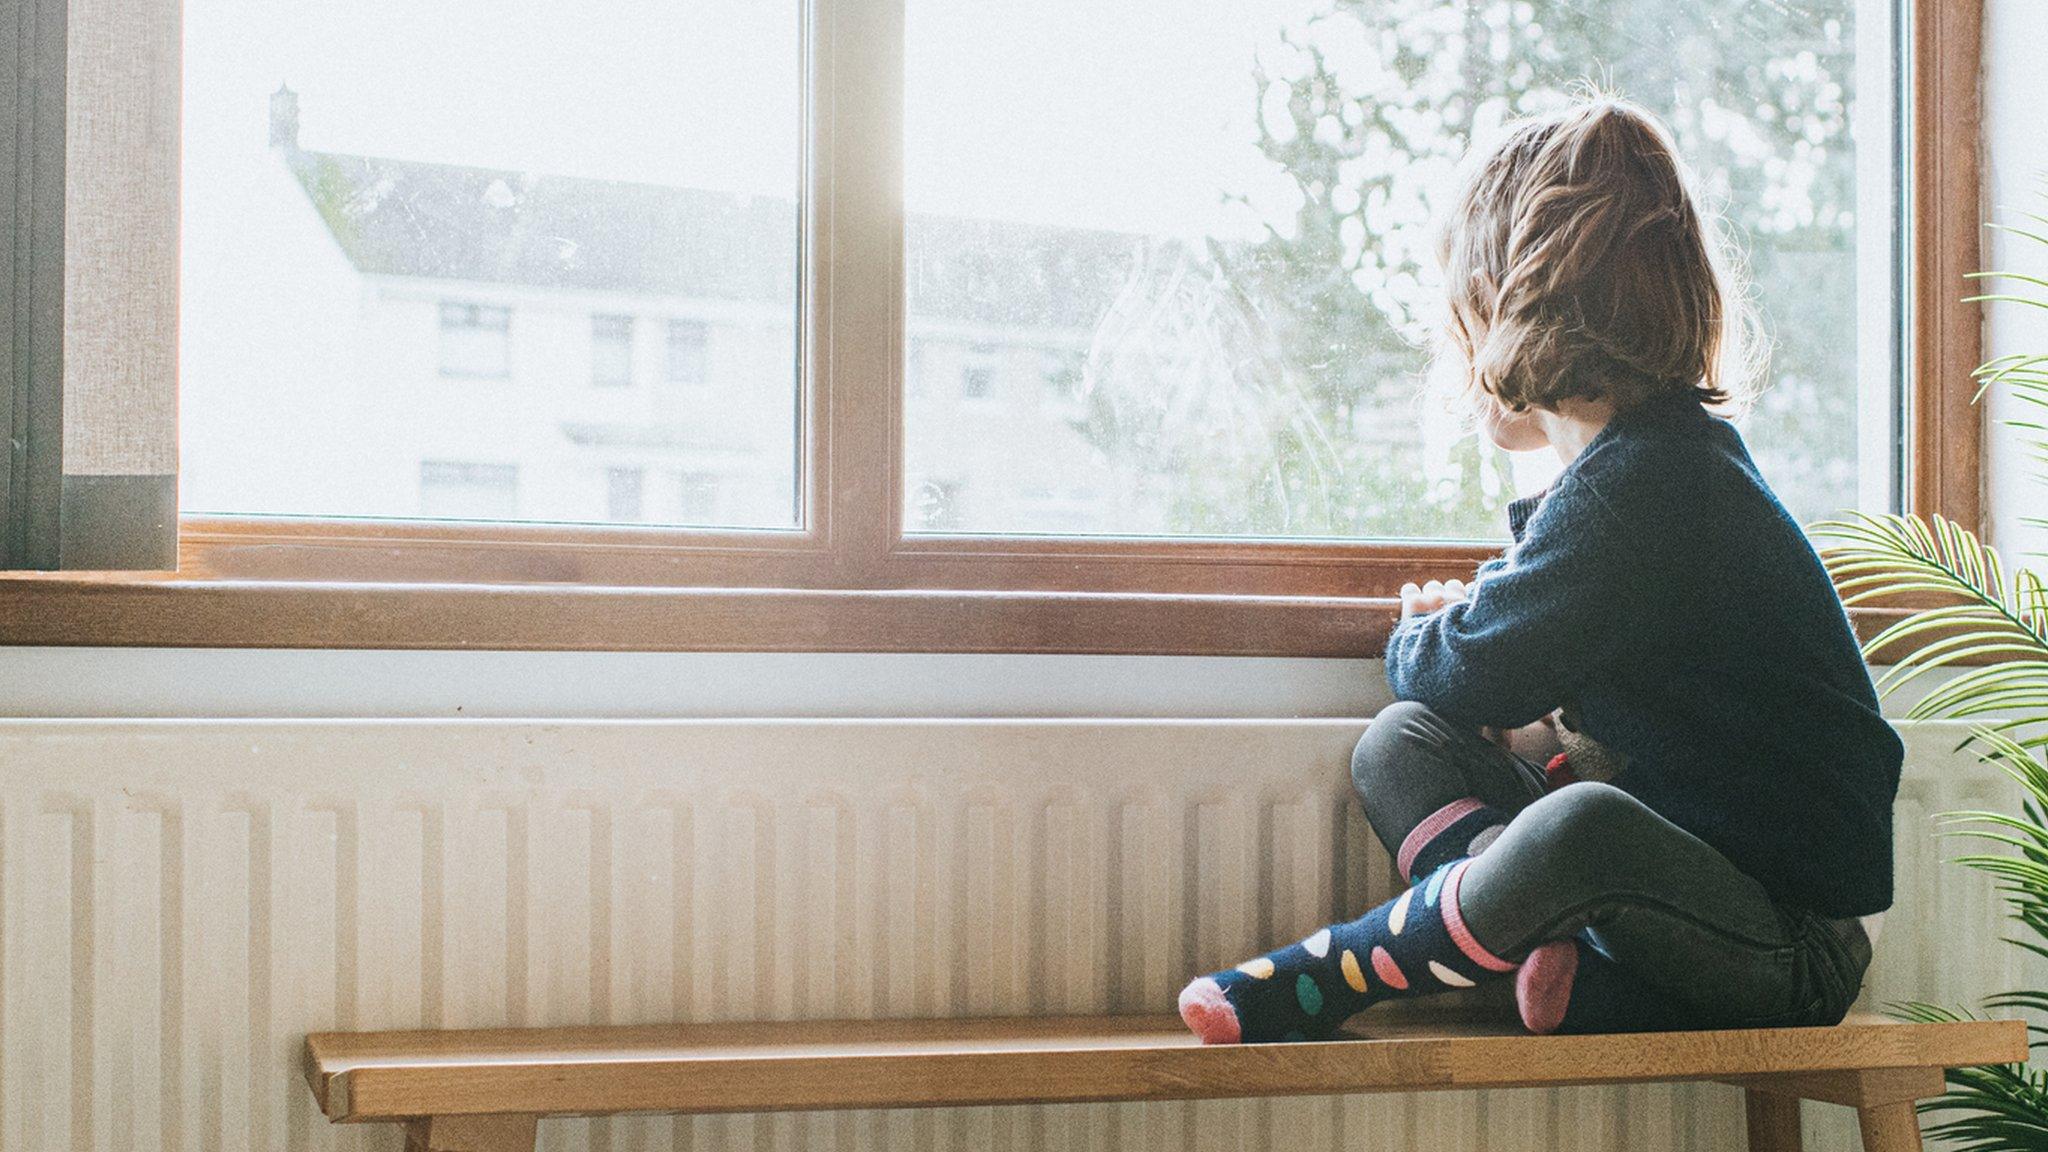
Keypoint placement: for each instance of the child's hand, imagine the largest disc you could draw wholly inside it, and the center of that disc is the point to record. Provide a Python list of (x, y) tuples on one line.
[(1538, 741), (1420, 601)]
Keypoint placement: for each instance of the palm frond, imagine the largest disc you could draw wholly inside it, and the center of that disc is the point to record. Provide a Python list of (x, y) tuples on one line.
[(1992, 622), (2023, 375)]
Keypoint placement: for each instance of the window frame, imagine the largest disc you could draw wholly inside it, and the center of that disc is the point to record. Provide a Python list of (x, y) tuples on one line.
[(851, 578)]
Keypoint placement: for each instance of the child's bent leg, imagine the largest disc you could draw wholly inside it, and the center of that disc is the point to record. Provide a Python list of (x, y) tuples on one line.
[(1682, 932), (1433, 791), (1413, 945), (1435, 794)]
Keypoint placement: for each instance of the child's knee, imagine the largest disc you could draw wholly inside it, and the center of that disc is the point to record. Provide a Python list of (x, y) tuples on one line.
[(1587, 808), (1390, 740), (1578, 826)]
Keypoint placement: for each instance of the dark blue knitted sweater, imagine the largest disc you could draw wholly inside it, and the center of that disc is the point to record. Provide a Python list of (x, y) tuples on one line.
[(1663, 592)]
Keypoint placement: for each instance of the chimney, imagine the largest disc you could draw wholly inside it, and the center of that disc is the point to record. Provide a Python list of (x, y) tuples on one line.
[(284, 119)]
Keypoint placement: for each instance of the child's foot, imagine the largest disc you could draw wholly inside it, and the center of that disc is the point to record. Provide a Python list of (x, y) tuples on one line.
[(1543, 985), (1413, 945), (1569, 986)]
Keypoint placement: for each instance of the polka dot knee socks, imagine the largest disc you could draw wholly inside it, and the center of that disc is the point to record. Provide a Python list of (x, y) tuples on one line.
[(1461, 828), (1412, 945), (1405, 947)]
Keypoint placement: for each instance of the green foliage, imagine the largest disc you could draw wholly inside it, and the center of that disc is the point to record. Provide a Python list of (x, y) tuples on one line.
[(1987, 614), (1989, 629), (1364, 110)]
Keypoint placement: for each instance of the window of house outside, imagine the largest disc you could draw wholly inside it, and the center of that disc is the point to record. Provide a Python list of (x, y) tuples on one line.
[(624, 489), (689, 353), (611, 351), (476, 340), (456, 490), (698, 494)]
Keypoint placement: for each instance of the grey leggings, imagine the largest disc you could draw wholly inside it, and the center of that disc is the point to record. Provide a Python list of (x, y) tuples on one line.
[(1676, 918)]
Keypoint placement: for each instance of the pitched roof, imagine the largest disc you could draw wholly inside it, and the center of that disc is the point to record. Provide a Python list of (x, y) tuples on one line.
[(409, 218)]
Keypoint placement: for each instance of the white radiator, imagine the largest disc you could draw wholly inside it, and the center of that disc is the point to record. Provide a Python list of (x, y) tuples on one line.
[(180, 902)]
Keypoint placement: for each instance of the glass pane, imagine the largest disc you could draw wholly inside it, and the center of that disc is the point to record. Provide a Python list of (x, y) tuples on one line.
[(485, 260), (1171, 264)]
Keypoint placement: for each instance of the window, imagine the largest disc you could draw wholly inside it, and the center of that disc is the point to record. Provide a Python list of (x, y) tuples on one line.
[(689, 347), (1164, 276), (622, 494), (611, 351), (1246, 247), (476, 340), (451, 490), (428, 172)]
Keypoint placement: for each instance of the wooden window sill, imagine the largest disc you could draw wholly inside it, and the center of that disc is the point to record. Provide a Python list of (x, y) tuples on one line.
[(178, 613)]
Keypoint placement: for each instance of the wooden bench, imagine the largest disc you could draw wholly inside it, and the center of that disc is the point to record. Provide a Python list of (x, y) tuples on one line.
[(485, 1091)]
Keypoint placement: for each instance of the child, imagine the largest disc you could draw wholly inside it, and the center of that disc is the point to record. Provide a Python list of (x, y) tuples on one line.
[(1660, 592)]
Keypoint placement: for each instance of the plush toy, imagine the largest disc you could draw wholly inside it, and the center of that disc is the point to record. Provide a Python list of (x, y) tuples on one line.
[(1583, 758)]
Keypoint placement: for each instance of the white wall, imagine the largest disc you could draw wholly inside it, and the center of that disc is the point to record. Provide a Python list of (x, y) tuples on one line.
[(2016, 155), (109, 682)]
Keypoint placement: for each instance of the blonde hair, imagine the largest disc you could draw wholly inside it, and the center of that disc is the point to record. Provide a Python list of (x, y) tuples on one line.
[(1578, 264)]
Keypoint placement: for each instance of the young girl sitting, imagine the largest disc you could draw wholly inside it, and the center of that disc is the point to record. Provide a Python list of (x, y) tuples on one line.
[(1660, 595)]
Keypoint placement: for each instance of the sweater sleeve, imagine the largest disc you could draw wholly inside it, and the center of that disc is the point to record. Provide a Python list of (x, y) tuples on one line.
[(1555, 608)]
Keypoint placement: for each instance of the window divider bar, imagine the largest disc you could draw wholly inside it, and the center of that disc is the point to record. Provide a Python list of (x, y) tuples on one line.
[(858, 234)]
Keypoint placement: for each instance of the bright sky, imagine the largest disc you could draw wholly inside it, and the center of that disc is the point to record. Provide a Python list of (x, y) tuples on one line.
[(1135, 114)]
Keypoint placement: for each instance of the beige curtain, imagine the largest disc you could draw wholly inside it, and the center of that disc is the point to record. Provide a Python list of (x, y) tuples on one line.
[(90, 200)]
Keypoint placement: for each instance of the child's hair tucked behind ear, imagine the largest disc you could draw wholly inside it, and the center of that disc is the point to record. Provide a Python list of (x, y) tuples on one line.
[(1578, 264)]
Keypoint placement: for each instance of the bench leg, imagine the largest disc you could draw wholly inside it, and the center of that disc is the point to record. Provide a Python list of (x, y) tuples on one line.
[(1882, 1097), (1890, 1127), (471, 1134), (1773, 1121)]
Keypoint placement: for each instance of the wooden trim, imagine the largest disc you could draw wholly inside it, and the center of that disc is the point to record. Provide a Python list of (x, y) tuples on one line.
[(134, 611), (214, 549), (1945, 440), (298, 614), (1191, 566), (865, 246)]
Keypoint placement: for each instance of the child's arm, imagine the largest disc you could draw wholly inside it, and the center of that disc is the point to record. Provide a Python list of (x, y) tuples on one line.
[(1557, 607)]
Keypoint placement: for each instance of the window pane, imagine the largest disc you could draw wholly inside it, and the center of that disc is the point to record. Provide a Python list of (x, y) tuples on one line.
[(1170, 266), (477, 260)]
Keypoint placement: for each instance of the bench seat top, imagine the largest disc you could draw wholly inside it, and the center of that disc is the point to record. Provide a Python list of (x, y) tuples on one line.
[(783, 1066)]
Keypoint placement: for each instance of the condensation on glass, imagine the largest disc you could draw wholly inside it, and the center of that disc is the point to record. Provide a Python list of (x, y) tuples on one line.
[(1170, 266), (485, 261)]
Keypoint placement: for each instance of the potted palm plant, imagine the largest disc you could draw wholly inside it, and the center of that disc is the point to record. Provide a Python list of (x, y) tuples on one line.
[(1985, 626)]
